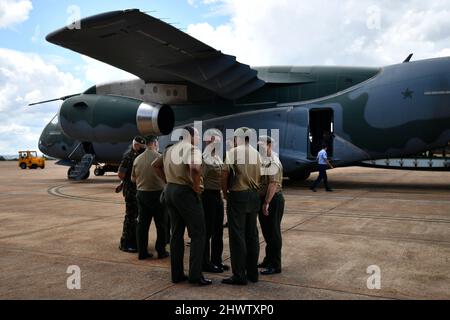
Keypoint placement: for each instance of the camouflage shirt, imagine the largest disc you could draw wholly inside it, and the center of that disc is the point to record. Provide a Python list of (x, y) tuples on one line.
[(126, 167)]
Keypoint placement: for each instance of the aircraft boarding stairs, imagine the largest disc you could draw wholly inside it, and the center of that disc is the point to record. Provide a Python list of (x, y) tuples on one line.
[(81, 169)]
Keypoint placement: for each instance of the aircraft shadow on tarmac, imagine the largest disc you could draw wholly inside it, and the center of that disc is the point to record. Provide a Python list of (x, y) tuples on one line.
[(406, 186)]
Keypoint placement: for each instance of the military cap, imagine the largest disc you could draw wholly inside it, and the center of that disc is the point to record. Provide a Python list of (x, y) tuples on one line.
[(213, 132), (139, 139), (190, 129), (266, 139), (151, 138), (241, 132)]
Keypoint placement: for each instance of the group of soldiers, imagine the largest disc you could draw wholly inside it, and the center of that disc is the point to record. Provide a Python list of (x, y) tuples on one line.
[(188, 187)]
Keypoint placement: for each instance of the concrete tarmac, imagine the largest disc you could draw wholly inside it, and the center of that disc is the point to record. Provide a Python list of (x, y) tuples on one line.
[(396, 220)]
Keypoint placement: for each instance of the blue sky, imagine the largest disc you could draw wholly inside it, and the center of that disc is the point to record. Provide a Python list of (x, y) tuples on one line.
[(52, 71), (257, 32), (49, 15)]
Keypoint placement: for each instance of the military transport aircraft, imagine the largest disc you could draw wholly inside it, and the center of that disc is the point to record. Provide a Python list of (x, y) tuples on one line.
[(364, 113)]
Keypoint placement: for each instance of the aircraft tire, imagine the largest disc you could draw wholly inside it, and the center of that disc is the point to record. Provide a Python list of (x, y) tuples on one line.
[(86, 175), (69, 172), (99, 172)]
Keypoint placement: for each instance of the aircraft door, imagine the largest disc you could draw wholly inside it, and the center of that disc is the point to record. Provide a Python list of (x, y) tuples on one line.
[(320, 131), (297, 131), (88, 147)]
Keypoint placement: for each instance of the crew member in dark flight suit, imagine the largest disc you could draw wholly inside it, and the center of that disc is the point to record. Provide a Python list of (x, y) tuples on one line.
[(128, 239)]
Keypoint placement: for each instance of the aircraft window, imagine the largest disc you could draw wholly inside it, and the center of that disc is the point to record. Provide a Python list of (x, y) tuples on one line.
[(142, 91), (175, 93), (54, 119), (155, 89), (63, 148)]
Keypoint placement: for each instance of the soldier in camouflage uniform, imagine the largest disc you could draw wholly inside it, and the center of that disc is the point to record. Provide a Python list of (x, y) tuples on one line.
[(128, 239)]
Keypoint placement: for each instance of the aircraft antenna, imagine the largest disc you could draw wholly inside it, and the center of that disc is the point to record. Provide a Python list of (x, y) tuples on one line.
[(56, 99), (408, 58)]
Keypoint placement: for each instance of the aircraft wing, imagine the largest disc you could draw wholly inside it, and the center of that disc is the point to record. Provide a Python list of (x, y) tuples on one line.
[(146, 47)]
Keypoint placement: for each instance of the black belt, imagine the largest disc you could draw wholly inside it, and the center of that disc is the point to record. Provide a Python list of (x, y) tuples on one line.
[(276, 194), (183, 186), (248, 190)]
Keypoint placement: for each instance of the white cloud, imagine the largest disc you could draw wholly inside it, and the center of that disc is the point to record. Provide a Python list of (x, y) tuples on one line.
[(13, 12), (26, 78), (37, 34), (29, 77), (345, 32), (195, 3)]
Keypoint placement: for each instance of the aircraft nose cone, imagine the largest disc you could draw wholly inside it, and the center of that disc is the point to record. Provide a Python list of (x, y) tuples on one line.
[(42, 147)]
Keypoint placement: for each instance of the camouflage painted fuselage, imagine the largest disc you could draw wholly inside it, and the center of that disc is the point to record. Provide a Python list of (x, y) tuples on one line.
[(394, 111)]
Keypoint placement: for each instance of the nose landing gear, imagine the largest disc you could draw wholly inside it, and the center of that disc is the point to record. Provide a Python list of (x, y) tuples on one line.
[(99, 171)]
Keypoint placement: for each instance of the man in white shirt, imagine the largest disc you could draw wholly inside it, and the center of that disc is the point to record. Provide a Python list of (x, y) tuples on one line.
[(324, 163)]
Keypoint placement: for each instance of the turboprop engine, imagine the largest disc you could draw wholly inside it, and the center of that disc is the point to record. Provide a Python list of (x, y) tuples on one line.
[(113, 119)]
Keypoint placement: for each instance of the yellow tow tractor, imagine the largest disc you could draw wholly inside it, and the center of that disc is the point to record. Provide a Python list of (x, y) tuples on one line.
[(31, 160)]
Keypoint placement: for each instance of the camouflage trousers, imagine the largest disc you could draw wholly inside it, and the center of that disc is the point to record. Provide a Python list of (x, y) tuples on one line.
[(128, 239)]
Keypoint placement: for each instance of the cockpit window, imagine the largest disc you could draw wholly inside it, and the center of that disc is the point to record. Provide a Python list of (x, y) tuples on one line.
[(54, 119)]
